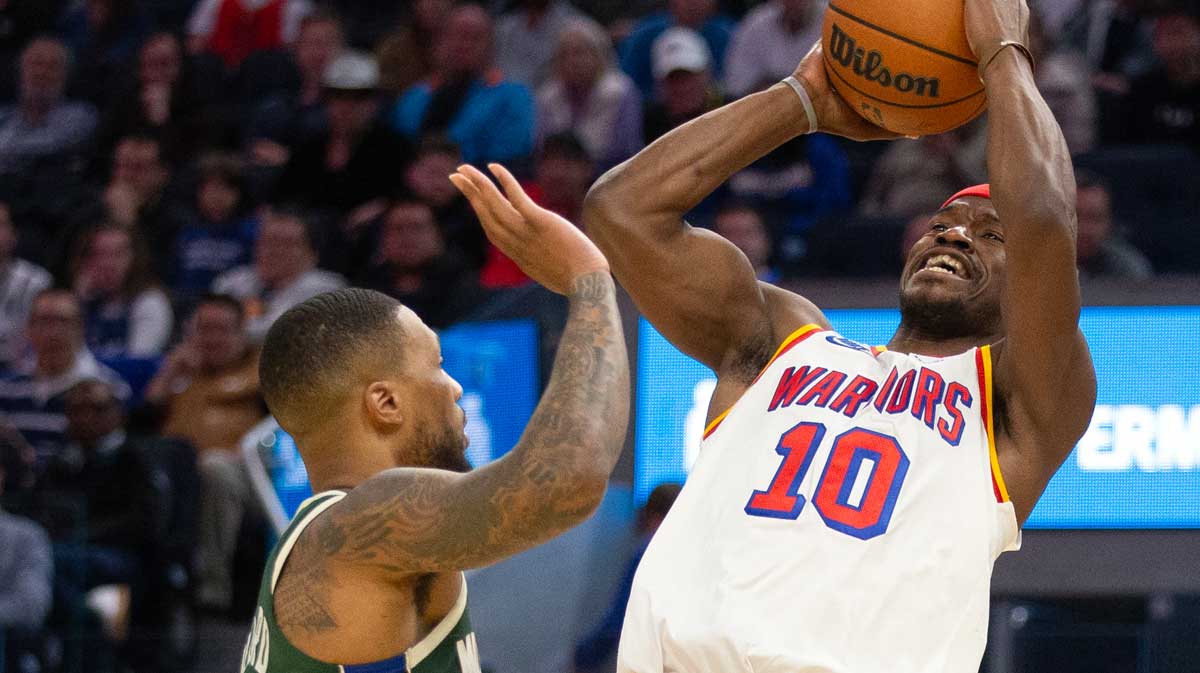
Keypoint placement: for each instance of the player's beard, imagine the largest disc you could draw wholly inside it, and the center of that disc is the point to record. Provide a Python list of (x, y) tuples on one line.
[(444, 449), (949, 318)]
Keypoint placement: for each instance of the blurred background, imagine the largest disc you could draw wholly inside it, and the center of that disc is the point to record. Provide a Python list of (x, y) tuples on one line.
[(174, 174)]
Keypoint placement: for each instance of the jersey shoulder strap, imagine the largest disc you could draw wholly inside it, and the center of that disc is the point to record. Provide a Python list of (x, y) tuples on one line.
[(308, 511)]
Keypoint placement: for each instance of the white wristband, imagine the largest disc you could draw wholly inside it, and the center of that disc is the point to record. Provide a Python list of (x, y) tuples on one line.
[(804, 100)]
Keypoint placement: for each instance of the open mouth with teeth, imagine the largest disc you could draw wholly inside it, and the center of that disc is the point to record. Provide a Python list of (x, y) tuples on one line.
[(945, 264)]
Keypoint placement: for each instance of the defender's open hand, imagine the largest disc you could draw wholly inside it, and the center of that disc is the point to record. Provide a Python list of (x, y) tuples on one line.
[(547, 247)]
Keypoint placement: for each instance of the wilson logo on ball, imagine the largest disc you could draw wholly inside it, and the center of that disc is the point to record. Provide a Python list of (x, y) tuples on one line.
[(869, 65)]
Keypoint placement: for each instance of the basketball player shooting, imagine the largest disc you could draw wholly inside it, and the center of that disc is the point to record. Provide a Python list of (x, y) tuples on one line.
[(368, 577), (848, 502)]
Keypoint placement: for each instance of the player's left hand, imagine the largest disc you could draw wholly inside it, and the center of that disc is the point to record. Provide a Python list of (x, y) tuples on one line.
[(834, 114), (547, 247)]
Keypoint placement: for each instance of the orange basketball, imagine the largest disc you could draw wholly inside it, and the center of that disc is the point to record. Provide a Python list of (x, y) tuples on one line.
[(905, 66)]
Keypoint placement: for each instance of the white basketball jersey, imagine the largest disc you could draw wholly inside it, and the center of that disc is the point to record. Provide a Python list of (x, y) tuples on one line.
[(842, 517)]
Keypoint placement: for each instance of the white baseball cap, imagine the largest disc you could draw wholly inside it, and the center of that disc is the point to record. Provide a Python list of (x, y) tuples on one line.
[(680, 48), (352, 71)]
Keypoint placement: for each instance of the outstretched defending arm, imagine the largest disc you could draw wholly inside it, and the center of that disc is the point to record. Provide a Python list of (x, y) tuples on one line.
[(410, 521), (696, 287), (1044, 371)]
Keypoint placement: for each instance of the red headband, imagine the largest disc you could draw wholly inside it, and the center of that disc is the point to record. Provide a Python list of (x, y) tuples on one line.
[(983, 190)]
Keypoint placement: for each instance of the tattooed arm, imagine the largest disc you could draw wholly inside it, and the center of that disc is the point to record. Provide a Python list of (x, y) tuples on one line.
[(409, 521)]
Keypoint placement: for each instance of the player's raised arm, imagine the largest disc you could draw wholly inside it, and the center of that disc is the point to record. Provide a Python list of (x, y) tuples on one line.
[(696, 287), (1043, 372), (409, 521)]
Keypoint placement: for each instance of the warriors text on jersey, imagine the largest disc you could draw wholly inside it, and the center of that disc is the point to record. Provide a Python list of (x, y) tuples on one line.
[(449, 648), (843, 517)]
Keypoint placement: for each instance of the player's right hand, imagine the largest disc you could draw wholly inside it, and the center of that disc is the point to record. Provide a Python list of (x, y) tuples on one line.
[(834, 114), (547, 247)]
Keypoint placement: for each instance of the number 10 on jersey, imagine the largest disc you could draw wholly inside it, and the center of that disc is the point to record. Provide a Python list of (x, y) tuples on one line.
[(853, 452)]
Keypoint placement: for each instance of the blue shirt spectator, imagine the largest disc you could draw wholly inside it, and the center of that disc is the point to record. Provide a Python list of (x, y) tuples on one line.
[(801, 182), (220, 234), (636, 50), (468, 100), (126, 313)]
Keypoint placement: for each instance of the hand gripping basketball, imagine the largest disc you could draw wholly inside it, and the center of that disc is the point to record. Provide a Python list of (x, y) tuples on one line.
[(833, 114), (548, 248)]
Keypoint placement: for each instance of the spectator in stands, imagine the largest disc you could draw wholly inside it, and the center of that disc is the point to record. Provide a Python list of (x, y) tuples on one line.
[(426, 180), (126, 313), (682, 69), (43, 125), (1102, 251), (637, 51), (284, 272), (104, 36), (20, 282), (526, 38), (208, 389), (136, 196), (32, 398), (413, 265), (1163, 105), (406, 55), (20, 22), (601, 644), (26, 566), (468, 99), (743, 225), (208, 385), (96, 499), (589, 96), (368, 22), (234, 29), (794, 187), (356, 159), (915, 175), (160, 101), (561, 180), (288, 119), (564, 173), (220, 233), (1063, 76), (1114, 38), (769, 42)]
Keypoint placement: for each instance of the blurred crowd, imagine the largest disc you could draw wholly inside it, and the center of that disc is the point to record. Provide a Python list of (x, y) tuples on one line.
[(174, 174)]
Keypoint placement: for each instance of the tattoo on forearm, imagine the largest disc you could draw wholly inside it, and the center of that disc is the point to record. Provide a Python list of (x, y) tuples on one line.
[(407, 525)]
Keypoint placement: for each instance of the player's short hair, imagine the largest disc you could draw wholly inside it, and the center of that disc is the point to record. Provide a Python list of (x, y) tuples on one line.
[(313, 352)]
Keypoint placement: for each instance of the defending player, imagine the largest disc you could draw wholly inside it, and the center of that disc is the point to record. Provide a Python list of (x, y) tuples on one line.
[(845, 512), (368, 576)]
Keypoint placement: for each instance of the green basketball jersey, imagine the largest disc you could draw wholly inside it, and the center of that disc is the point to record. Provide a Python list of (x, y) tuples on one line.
[(449, 648)]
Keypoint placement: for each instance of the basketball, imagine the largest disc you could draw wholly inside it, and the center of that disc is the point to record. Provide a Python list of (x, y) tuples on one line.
[(904, 66)]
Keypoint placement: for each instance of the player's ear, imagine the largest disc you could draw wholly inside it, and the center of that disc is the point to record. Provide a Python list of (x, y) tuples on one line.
[(384, 408)]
